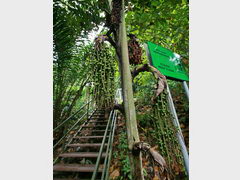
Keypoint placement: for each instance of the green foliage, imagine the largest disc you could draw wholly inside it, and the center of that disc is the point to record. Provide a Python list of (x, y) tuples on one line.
[(77, 64), (72, 21), (126, 168), (166, 132), (156, 121), (122, 154), (144, 85), (164, 22), (69, 80), (142, 119), (144, 172), (180, 102)]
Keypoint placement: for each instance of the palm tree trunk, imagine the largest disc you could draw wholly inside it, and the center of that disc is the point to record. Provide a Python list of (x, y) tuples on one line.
[(129, 106)]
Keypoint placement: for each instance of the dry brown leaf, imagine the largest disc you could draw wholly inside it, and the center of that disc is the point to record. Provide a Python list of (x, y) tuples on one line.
[(158, 158), (155, 168), (71, 132), (156, 178), (114, 174), (160, 87), (111, 168)]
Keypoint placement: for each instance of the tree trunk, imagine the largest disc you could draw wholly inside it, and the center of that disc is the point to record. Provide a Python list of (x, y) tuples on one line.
[(129, 106)]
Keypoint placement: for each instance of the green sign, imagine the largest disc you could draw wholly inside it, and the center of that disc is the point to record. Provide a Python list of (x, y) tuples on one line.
[(167, 62)]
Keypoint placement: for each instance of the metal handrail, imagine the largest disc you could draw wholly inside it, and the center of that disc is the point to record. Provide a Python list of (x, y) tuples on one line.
[(55, 145), (109, 149), (101, 148), (81, 127), (70, 116), (88, 118), (105, 160)]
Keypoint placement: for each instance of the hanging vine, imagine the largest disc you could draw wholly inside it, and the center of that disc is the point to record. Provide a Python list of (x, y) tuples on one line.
[(102, 74), (165, 133)]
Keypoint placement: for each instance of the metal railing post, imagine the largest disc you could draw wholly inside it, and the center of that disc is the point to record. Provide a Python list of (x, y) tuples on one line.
[(179, 132), (70, 117), (111, 135), (185, 87), (74, 134), (110, 151), (101, 148)]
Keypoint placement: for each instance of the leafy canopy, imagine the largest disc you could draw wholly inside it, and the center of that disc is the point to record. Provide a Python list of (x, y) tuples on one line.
[(164, 22)]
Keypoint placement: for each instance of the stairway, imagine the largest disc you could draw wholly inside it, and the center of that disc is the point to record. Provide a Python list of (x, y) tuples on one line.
[(79, 159)]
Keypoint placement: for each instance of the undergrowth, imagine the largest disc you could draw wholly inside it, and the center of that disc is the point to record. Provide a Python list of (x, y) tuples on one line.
[(121, 155)]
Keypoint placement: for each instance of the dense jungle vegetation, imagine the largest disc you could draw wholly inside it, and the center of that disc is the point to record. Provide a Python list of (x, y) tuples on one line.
[(89, 68)]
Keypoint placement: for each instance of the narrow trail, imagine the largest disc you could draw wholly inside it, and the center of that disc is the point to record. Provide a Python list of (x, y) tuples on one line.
[(88, 153)]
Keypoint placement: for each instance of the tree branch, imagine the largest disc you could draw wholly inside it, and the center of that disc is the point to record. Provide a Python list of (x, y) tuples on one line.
[(112, 42), (119, 107), (161, 84), (109, 39)]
